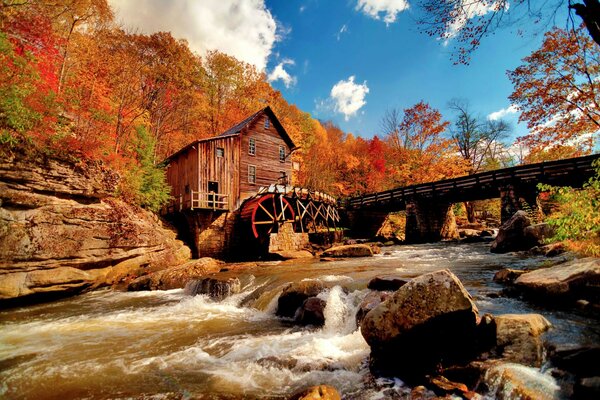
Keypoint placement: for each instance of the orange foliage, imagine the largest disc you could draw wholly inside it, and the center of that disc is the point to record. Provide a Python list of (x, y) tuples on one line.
[(558, 93)]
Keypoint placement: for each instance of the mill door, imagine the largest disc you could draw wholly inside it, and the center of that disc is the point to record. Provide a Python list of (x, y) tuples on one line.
[(213, 188)]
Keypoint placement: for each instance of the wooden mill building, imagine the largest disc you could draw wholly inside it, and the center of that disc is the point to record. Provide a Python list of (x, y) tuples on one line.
[(218, 173)]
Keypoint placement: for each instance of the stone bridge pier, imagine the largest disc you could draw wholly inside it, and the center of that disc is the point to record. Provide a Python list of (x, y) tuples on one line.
[(429, 220), (516, 197), (364, 223)]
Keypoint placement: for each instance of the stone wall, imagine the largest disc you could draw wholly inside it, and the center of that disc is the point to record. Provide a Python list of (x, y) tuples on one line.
[(211, 233), (287, 240)]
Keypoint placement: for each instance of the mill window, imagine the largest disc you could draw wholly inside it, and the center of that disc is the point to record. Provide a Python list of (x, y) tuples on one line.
[(252, 147), (220, 152), (267, 123), (282, 153), (251, 174)]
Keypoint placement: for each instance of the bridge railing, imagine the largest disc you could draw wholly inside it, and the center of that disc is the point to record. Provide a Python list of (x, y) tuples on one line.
[(582, 166)]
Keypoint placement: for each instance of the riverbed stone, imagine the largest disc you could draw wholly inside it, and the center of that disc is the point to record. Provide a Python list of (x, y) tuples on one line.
[(311, 312), (429, 320), (176, 277), (294, 294), (511, 236), (514, 381), (518, 338), (351, 250), (386, 283), (508, 275), (321, 392), (573, 280), (537, 234), (215, 288)]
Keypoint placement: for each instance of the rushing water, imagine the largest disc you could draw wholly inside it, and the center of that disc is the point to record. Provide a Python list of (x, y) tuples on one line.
[(161, 344)]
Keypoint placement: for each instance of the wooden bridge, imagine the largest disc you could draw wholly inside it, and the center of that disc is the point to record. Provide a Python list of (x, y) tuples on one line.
[(427, 203)]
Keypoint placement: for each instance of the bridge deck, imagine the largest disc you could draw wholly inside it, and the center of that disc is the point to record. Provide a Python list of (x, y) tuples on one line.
[(485, 185)]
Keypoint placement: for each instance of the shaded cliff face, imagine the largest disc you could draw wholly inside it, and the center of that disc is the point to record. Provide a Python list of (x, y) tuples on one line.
[(62, 231)]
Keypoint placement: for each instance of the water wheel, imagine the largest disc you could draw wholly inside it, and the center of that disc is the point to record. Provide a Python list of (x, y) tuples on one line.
[(266, 213)]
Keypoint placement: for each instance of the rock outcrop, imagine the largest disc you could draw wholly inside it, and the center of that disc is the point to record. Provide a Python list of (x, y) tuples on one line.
[(311, 312), (62, 231), (429, 320), (574, 280)]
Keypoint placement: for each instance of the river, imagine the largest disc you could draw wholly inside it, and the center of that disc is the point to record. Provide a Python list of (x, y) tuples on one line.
[(165, 344)]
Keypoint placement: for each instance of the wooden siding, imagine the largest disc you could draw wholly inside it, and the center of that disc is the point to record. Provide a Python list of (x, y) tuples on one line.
[(223, 170), (266, 160), (182, 171)]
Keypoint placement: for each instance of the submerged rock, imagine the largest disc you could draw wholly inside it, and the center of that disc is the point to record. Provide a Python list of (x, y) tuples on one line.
[(511, 236), (321, 392), (508, 275), (215, 288), (574, 280), (429, 320), (386, 283), (311, 312), (177, 277), (63, 232), (518, 338), (351, 250), (294, 294)]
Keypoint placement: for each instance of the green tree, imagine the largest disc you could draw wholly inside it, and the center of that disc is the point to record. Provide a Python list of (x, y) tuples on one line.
[(577, 217), (147, 184)]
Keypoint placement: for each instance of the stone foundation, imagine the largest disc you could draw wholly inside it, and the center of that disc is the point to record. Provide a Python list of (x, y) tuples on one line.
[(287, 240)]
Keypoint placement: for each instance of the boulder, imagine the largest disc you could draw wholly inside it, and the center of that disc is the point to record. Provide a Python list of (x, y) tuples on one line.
[(442, 386), (513, 381), (508, 275), (351, 250), (311, 312), (538, 233), (518, 338), (62, 231), (371, 300), (574, 280), (292, 254), (431, 319), (177, 277), (321, 392), (215, 288), (294, 294), (386, 283), (511, 235), (549, 250)]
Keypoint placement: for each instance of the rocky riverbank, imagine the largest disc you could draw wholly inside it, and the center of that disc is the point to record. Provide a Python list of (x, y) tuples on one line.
[(62, 231)]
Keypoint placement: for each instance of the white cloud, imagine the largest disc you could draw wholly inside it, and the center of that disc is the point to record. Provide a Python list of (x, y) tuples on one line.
[(390, 8), (349, 97), (468, 10), (244, 29), (496, 115), (280, 74), (342, 30)]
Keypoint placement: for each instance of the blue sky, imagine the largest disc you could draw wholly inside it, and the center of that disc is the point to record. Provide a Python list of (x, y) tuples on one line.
[(346, 61)]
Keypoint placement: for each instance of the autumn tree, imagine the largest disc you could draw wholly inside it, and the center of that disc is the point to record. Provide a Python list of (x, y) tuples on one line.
[(418, 150), (558, 92), (468, 22)]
